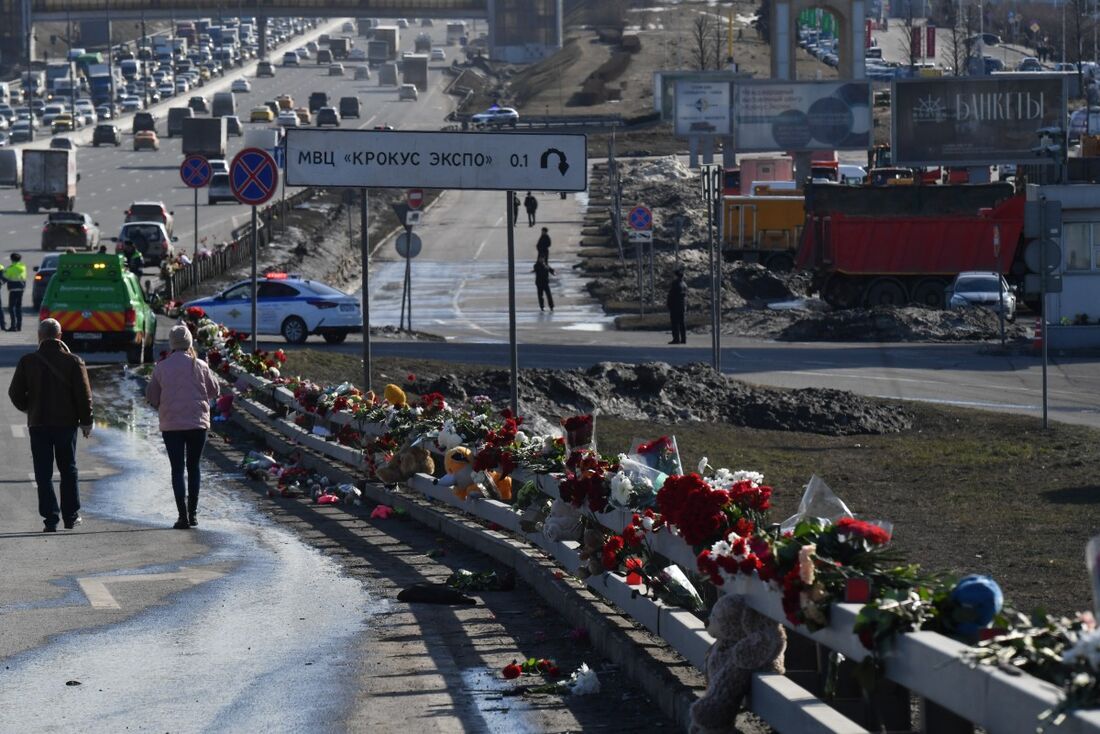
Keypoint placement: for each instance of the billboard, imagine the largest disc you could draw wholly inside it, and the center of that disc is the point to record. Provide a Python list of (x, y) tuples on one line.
[(702, 108), (664, 87), (801, 116), (975, 121)]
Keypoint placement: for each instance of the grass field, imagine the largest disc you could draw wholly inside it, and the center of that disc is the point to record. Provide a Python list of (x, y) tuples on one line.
[(968, 491)]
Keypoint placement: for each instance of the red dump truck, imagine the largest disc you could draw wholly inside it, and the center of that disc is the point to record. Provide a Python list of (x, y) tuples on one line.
[(901, 244)]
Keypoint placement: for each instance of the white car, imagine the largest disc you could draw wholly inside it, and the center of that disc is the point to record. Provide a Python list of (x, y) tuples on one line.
[(288, 118), (240, 85), (131, 104), (166, 90), (182, 86), (496, 117), (217, 165), (438, 54), (986, 289), (288, 306)]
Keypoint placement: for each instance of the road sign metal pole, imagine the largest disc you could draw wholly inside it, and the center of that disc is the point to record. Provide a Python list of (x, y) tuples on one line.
[(255, 283), (1000, 288), (513, 351), (364, 220), (716, 199), (1043, 225), (710, 255), (408, 274), (196, 224)]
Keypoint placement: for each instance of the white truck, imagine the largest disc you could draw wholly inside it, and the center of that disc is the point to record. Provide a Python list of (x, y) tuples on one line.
[(49, 179)]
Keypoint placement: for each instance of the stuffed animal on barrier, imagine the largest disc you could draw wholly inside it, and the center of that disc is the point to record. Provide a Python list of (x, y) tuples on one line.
[(745, 642), (590, 554), (563, 522), (395, 396), (459, 464), (496, 487), (405, 463)]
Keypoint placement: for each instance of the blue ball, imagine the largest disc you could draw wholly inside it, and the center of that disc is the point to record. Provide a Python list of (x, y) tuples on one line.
[(978, 600)]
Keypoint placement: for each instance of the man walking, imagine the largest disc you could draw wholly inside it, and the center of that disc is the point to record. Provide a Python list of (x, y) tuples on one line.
[(531, 204), (515, 209), (542, 247), (677, 306), (51, 387), (16, 277), (543, 271)]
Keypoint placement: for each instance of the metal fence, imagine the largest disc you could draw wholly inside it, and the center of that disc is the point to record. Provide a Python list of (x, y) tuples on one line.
[(237, 250)]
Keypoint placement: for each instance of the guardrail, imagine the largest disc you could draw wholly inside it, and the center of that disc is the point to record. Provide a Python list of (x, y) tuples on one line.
[(234, 252), (953, 696)]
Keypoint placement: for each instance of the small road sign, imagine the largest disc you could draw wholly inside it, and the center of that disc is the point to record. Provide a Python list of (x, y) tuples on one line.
[(640, 217), (641, 235), (408, 243), (253, 176), (412, 217), (195, 171), (279, 154), (414, 198)]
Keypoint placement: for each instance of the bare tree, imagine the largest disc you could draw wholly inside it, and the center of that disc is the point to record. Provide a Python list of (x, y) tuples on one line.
[(959, 29), (910, 49), (721, 34), (700, 41)]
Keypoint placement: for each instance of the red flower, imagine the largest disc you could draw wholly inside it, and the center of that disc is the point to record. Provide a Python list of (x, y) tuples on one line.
[(280, 355), (748, 497), (486, 459), (694, 507), (633, 564), (195, 312), (512, 670), (410, 377), (873, 534), (664, 443)]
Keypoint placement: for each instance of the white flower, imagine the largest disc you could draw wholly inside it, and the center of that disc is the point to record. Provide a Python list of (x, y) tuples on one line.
[(721, 548), (724, 478), (584, 681), (647, 523), (1087, 648), (621, 487), (521, 437), (703, 464), (1082, 679)]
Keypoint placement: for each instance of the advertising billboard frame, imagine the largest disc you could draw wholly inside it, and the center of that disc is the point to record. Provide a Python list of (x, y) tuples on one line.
[(1005, 157), (664, 87), (744, 147), (721, 91)]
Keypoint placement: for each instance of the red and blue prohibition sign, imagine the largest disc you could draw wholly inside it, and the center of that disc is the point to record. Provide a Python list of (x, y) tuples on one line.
[(253, 176), (195, 171)]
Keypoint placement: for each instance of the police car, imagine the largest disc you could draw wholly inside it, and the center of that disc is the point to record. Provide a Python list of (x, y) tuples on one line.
[(287, 305)]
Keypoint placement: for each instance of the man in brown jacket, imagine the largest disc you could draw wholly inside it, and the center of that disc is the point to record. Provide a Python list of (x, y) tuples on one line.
[(51, 387)]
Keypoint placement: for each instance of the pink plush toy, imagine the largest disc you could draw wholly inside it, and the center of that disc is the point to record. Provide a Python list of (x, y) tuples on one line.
[(224, 405)]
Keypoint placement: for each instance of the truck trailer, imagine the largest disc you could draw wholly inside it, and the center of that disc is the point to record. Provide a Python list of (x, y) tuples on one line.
[(205, 136), (49, 179), (872, 246), (391, 34), (414, 70)]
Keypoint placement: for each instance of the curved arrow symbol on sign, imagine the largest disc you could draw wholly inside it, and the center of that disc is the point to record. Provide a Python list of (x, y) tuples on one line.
[(563, 165)]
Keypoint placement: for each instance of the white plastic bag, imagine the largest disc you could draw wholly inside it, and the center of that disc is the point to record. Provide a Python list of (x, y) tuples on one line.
[(818, 501)]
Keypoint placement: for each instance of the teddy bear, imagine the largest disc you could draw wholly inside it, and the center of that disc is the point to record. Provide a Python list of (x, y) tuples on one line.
[(591, 554), (459, 465), (395, 396), (745, 642), (410, 460), (563, 522)]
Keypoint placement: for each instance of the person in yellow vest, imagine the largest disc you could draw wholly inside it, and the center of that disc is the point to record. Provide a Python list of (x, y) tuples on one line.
[(16, 277)]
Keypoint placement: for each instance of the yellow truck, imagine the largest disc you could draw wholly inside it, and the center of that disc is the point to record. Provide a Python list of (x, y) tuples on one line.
[(763, 229)]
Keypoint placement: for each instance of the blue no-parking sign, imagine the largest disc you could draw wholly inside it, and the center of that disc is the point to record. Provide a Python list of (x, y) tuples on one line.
[(253, 176)]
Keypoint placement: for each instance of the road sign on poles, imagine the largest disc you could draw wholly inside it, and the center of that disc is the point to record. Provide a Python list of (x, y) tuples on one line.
[(408, 244), (640, 217), (253, 176), (195, 171), (439, 160), (414, 198)]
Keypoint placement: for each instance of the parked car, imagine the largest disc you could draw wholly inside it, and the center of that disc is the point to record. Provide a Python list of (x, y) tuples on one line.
[(1084, 121), (1029, 63), (985, 289), (219, 189), (407, 92), (496, 117), (349, 107), (42, 275), (146, 140), (288, 306), (150, 238), (328, 116), (151, 211), (69, 229)]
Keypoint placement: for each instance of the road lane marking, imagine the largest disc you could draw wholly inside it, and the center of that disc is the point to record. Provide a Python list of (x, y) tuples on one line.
[(82, 473), (100, 597)]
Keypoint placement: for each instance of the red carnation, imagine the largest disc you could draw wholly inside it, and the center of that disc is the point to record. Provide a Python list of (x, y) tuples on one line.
[(410, 377), (512, 670), (873, 534)]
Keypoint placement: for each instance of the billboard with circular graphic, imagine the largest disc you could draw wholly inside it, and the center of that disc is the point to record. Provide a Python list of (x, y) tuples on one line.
[(801, 116)]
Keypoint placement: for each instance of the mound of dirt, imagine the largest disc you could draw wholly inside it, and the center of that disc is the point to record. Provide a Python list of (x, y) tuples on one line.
[(754, 282), (890, 324), (658, 391)]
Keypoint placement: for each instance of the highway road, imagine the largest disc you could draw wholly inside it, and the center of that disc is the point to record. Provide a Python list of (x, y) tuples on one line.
[(111, 179)]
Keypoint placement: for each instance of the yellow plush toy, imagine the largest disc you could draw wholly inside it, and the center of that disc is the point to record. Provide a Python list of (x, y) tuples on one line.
[(459, 463), (395, 396)]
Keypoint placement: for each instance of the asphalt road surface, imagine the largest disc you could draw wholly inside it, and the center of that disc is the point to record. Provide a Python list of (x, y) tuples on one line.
[(113, 178)]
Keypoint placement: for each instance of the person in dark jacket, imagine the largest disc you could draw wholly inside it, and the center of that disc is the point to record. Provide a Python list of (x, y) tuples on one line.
[(543, 271), (515, 209), (531, 204), (51, 387), (677, 307), (542, 247)]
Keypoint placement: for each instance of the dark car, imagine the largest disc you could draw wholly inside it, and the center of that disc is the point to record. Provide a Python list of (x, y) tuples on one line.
[(349, 107), (144, 121), (328, 116), (42, 275), (233, 125), (317, 100), (273, 106), (265, 68), (198, 104), (70, 229)]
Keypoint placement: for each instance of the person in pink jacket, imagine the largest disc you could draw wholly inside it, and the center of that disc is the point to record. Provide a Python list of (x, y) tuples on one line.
[(181, 390)]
